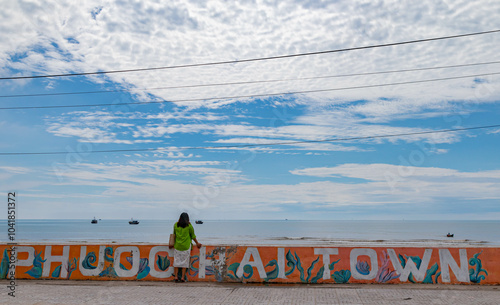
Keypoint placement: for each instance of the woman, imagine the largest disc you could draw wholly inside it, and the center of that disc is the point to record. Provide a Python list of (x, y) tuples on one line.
[(184, 234)]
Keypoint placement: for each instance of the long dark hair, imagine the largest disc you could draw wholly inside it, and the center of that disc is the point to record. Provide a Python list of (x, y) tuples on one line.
[(183, 220)]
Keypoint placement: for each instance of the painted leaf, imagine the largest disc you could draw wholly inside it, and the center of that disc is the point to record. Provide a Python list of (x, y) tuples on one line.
[(299, 267), (430, 273), (475, 275), (402, 260), (57, 271), (310, 269), (233, 268), (36, 270), (143, 263), (290, 262), (142, 274), (319, 275), (332, 265), (37, 261), (72, 265), (4, 266), (416, 259), (210, 270), (273, 274)]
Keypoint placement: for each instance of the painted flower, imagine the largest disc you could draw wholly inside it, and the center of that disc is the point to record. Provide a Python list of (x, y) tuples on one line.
[(384, 274), (342, 276), (363, 267), (163, 262)]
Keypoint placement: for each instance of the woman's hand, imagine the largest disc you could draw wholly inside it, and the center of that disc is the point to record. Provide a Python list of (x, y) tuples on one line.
[(197, 243)]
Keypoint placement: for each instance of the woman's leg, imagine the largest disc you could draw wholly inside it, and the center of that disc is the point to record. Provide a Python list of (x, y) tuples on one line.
[(176, 273), (183, 273)]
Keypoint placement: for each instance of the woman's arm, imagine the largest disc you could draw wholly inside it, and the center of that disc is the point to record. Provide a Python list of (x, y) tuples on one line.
[(197, 243), (171, 246), (193, 236)]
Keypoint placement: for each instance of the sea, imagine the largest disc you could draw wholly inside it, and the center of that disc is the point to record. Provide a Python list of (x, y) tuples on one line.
[(264, 232)]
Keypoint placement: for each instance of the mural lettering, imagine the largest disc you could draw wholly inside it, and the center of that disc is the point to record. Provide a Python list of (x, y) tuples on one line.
[(259, 264), (411, 268), (447, 262)]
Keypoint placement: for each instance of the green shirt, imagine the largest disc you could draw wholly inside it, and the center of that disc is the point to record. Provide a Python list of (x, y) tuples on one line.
[(183, 237)]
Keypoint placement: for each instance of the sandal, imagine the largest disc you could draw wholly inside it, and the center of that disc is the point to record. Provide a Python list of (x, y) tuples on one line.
[(177, 280)]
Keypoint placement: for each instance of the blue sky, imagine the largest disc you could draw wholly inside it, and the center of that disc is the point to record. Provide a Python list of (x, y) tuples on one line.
[(431, 176)]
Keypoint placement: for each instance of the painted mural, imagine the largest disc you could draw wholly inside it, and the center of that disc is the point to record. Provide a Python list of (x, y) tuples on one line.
[(258, 264)]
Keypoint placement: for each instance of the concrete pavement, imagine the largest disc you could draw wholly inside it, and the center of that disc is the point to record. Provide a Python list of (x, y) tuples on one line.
[(133, 292)]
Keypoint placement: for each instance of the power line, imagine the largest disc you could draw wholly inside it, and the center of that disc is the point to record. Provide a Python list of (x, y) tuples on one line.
[(248, 96), (256, 145), (255, 59), (248, 82)]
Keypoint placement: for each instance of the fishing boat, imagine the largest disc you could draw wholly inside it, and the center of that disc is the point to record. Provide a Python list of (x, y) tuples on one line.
[(133, 222), (449, 235), (93, 220), (199, 222)]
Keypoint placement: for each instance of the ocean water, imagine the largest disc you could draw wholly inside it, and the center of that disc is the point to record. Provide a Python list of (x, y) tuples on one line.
[(254, 232)]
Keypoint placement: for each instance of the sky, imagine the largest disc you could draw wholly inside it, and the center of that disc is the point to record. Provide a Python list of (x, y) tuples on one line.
[(192, 123)]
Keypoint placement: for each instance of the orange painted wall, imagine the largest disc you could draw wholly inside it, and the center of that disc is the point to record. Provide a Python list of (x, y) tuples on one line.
[(257, 264)]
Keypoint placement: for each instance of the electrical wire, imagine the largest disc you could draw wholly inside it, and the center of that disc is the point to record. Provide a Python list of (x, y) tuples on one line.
[(247, 96), (247, 82), (255, 145), (254, 59)]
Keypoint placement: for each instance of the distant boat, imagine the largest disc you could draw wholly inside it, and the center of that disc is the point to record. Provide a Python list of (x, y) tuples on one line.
[(93, 220), (133, 222), (199, 222), (449, 235)]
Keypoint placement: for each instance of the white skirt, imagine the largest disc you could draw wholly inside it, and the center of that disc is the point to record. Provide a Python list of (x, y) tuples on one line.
[(182, 258)]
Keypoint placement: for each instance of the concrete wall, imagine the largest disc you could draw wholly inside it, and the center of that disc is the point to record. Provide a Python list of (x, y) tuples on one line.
[(256, 264)]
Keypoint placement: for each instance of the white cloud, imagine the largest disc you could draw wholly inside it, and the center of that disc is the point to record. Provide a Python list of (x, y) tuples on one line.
[(129, 34), (115, 35), (15, 169), (140, 172), (229, 191), (209, 186), (495, 131), (8, 172), (313, 125), (381, 172), (183, 115)]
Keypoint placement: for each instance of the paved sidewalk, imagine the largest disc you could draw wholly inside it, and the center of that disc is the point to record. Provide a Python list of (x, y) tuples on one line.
[(120, 292)]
